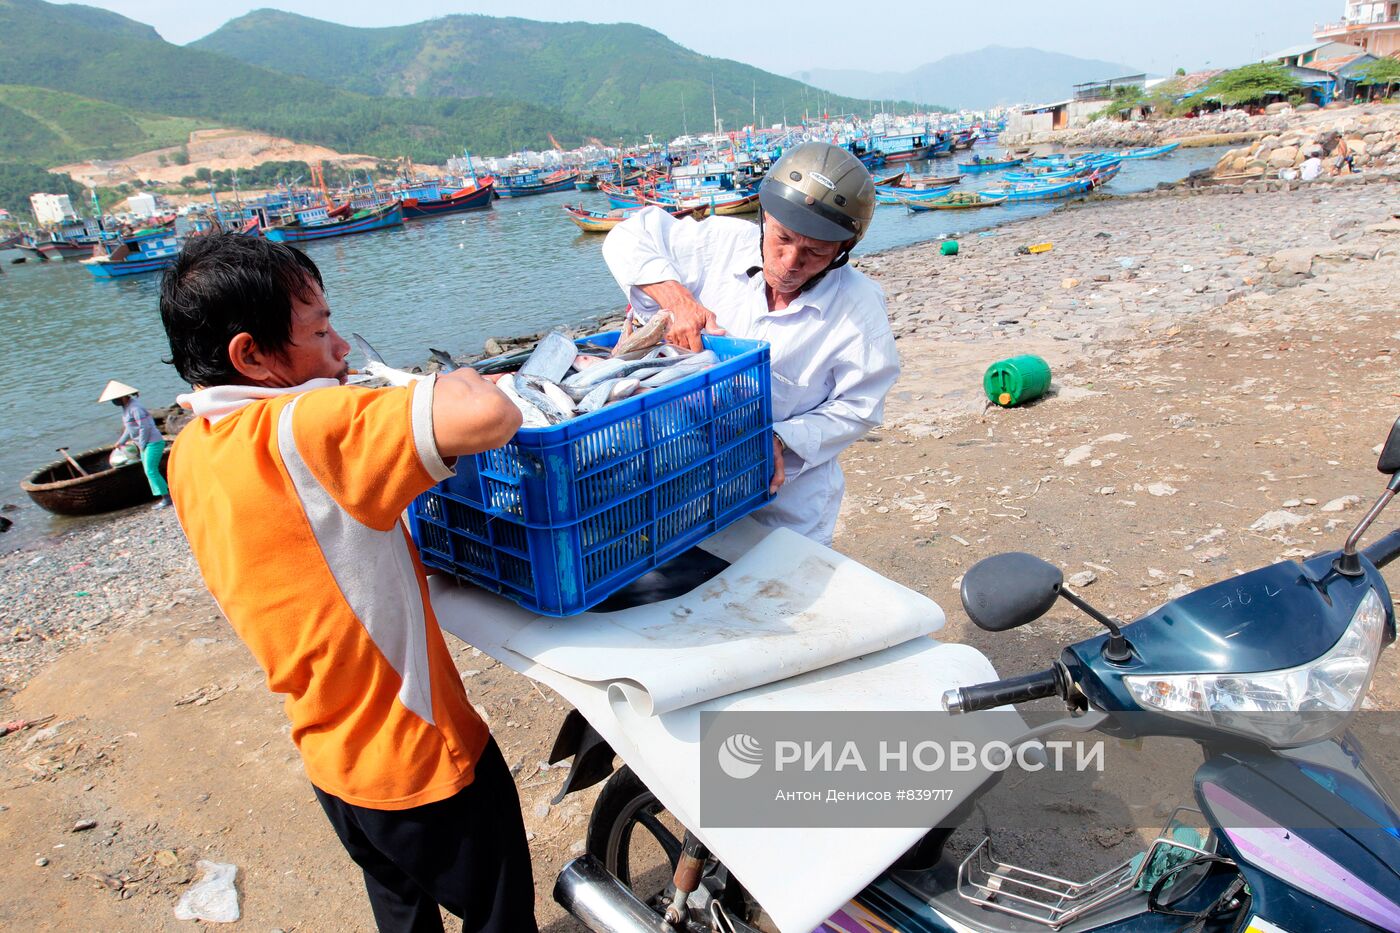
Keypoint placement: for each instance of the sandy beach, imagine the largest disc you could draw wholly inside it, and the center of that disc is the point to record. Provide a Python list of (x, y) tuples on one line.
[(1224, 366)]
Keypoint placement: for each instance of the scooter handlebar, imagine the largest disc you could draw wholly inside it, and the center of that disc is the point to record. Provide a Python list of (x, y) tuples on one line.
[(1384, 550), (1036, 686)]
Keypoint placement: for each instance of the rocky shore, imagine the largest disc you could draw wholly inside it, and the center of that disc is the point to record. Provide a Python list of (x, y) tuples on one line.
[(1274, 141), (1223, 360)]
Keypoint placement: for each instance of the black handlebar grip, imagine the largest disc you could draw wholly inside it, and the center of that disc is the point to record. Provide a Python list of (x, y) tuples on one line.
[(1004, 692), (1385, 550)]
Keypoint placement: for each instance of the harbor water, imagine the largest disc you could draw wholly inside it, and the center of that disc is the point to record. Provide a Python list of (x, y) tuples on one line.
[(448, 282)]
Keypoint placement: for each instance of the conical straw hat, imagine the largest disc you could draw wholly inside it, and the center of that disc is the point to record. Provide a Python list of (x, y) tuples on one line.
[(115, 390)]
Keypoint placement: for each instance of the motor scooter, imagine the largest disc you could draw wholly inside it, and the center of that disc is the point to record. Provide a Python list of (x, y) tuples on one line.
[(1265, 672)]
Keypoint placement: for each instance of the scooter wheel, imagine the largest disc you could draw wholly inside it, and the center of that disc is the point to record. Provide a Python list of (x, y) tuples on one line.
[(639, 842)]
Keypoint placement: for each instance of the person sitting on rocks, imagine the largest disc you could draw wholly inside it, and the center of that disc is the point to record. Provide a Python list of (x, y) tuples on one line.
[(1343, 156)]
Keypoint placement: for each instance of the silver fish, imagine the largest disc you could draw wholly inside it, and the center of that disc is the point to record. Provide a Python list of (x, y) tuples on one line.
[(530, 391), (533, 417), (379, 369), (687, 366), (444, 360), (615, 369), (552, 357), (648, 335), (609, 391), (554, 392)]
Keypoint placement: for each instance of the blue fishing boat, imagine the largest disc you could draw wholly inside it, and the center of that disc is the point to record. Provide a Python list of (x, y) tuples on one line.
[(1151, 152), (1034, 192), (528, 182), (317, 224), (135, 255), (900, 195), (1071, 170), (981, 165), (910, 147)]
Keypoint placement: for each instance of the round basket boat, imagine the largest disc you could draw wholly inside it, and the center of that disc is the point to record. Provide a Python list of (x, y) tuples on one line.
[(57, 488)]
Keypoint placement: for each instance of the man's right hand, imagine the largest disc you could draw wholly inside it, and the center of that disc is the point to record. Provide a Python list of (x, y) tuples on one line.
[(689, 318)]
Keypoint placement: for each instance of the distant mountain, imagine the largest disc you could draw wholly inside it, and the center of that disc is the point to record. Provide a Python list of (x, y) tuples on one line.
[(109, 58), (49, 127), (989, 77), (623, 76)]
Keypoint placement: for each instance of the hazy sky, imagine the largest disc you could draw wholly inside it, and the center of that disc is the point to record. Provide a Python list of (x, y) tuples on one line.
[(894, 35)]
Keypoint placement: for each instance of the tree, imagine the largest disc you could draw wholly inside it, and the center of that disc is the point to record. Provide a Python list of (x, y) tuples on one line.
[(203, 174), (1384, 71), (1251, 83), (1181, 72), (181, 156)]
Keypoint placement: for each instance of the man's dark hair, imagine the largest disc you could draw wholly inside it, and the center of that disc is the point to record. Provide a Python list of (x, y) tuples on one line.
[(224, 284)]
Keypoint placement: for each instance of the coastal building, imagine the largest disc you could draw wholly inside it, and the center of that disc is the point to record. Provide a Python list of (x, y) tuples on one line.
[(1302, 56), (52, 208), (1371, 26), (1060, 115)]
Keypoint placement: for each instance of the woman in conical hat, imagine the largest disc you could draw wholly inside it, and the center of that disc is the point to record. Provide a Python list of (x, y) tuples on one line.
[(139, 427)]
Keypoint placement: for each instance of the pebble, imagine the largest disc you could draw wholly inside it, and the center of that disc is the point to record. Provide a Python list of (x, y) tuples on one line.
[(1341, 504), (41, 862), (1083, 578), (84, 825)]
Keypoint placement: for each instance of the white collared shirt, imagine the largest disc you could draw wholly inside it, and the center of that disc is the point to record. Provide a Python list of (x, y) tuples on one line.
[(833, 358)]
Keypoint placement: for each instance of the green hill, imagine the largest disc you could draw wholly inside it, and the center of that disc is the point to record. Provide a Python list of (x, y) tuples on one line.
[(104, 56), (623, 76), (53, 126)]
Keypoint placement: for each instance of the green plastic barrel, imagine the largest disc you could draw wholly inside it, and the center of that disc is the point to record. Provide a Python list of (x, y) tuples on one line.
[(949, 248), (1017, 380)]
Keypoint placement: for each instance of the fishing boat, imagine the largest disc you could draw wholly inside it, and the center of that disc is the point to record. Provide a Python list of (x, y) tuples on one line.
[(960, 201), (909, 147), (134, 255), (900, 195), (893, 181), (1046, 192), (1071, 170), (1151, 152), (931, 181), (1060, 159), (522, 184), (59, 488), (586, 183), (599, 222), (980, 165), (431, 201), (316, 224)]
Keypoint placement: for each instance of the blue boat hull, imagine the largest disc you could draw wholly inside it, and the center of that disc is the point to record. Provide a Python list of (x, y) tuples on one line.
[(113, 270), (290, 234), (978, 168)]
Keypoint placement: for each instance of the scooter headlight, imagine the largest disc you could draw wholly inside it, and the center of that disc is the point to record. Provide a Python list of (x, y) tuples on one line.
[(1290, 707)]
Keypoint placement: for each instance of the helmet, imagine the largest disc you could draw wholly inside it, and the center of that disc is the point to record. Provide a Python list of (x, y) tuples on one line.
[(820, 191)]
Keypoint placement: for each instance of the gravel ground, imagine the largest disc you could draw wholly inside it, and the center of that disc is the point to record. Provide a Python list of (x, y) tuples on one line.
[(64, 591)]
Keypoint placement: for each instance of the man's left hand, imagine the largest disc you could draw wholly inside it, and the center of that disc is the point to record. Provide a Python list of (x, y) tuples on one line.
[(779, 469)]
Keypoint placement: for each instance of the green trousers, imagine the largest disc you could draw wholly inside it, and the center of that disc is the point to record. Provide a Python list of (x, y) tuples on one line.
[(150, 459)]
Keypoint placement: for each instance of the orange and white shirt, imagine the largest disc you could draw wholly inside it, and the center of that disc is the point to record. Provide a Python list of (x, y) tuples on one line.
[(291, 500)]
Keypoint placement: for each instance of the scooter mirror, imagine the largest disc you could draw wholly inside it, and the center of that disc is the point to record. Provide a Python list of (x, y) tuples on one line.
[(1390, 453), (1008, 590)]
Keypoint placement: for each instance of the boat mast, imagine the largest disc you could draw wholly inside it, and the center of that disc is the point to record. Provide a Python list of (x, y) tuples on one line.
[(714, 110)]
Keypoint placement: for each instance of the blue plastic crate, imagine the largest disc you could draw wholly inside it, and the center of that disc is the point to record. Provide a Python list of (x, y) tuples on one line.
[(562, 517)]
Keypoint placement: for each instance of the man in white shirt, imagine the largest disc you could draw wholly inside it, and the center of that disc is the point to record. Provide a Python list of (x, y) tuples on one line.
[(786, 281)]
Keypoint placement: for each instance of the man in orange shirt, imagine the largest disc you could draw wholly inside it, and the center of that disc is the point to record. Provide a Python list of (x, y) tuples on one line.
[(290, 487)]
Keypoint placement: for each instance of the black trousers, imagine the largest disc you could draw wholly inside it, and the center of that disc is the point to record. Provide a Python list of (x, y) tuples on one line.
[(467, 853)]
